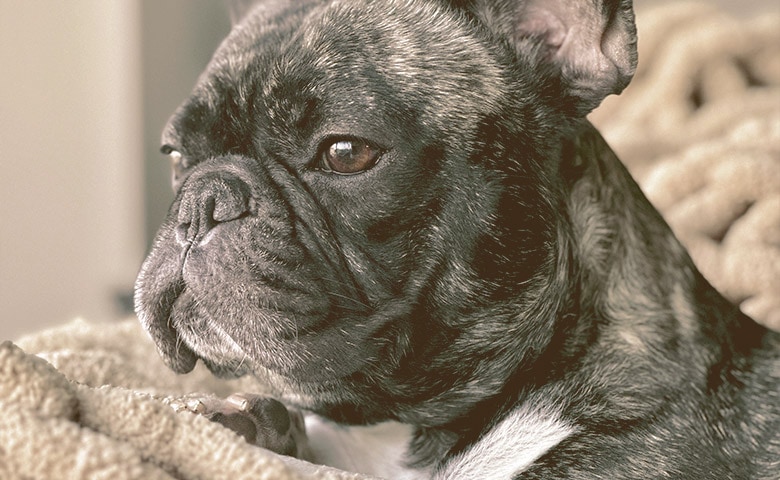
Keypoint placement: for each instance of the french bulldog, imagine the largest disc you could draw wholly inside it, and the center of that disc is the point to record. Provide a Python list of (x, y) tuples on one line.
[(396, 215)]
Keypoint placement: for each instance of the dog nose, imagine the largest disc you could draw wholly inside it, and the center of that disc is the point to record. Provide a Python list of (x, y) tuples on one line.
[(207, 201)]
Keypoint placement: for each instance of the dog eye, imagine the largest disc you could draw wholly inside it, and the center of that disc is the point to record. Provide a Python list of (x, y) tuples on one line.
[(178, 161), (349, 156), (176, 158), (179, 164)]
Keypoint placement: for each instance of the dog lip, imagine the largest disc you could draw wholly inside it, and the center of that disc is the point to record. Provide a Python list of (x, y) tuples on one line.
[(182, 360), (223, 370), (155, 297), (174, 352)]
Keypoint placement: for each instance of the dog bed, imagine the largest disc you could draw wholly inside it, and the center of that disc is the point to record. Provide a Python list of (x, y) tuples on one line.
[(699, 128)]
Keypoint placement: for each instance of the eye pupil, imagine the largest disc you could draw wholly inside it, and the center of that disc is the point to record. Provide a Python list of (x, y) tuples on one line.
[(349, 156)]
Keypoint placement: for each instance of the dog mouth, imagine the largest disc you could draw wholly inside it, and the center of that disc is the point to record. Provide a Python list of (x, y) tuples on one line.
[(252, 289), (237, 344), (238, 324)]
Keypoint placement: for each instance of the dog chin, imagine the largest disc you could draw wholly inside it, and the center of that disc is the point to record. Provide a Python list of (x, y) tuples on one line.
[(310, 359)]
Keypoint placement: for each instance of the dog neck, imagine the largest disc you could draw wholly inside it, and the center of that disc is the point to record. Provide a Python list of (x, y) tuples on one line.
[(634, 306)]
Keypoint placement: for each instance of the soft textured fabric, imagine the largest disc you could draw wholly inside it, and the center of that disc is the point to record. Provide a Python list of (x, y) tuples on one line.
[(699, 128), (93, 404)]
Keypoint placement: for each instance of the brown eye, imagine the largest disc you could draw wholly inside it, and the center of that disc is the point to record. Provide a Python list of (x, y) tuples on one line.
[(349, 156)]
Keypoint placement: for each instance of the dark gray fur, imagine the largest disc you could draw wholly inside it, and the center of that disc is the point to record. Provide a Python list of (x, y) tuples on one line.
[(497, 254)]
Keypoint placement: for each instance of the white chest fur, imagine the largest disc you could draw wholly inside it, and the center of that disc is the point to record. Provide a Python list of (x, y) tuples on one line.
[(512, 446), (377, 450)]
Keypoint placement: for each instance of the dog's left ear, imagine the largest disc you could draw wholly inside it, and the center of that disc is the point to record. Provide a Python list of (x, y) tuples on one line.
[(591, 43)]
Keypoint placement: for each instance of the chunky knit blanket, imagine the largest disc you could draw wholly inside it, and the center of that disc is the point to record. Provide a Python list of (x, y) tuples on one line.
[(700, 130)]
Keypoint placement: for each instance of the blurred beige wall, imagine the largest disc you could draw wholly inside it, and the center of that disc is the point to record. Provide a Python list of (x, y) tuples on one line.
[(85, 89), (71, 233)]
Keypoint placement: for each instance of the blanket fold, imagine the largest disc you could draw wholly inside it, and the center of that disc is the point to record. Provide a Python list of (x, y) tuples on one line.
[(100, 410)]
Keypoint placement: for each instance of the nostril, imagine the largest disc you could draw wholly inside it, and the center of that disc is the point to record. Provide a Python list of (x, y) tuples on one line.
[(231, 203), (208, 201), (183, 234)]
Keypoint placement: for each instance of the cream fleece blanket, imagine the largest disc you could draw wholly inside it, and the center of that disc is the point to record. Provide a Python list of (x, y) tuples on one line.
[(700, 129)]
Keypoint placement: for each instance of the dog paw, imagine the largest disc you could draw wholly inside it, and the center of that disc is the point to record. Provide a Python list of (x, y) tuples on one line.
[(262, 421)]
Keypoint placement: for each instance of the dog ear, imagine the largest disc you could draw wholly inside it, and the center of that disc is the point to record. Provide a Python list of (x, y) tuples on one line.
[(591, 43)]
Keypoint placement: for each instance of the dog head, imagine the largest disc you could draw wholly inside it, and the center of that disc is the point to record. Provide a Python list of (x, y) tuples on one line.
[(369, 197)]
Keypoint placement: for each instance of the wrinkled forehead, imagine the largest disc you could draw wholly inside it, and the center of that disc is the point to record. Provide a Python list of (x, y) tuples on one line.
[(391, 58)]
